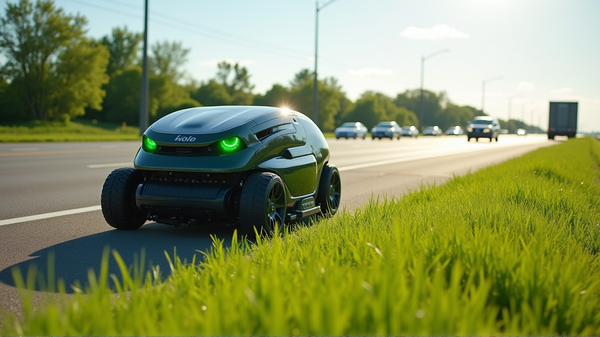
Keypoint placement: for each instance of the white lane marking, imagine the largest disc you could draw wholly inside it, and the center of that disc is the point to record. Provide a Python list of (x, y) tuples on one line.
[(128, 164), (434, 154), (49, 215)]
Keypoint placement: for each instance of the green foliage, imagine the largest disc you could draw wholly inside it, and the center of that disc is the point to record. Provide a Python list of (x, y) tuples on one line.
[(477, 256), (329, 98), (41, 43), (12, 107), (59, 131), (166, 59), (373, 107), (122, 102), (278, 96), (79, 75), (123, 47), (212, 93), (236, 81), (436, 109)]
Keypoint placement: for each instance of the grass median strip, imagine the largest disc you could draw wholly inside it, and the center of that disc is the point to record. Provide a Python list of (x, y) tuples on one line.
[(511, 249)]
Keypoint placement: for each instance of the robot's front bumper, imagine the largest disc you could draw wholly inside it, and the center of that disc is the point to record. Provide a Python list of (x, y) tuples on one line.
[(165, 200)]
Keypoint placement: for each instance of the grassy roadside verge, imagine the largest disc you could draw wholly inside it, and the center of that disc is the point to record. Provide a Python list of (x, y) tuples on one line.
[(511, 249), (81, 130)]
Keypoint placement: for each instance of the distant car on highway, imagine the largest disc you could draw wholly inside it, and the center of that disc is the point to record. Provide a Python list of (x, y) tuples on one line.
[(454, 131), (410, 131), (432, 131), (351, 130), (521, 132), (386, 129), (483, 127)]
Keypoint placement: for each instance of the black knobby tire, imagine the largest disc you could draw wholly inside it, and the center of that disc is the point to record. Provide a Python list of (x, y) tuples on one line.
[(329, 193), (262, 204), (118, 199)]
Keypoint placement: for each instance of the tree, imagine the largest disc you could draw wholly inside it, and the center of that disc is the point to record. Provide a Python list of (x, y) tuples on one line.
[(301, 77), (123, 47), (166, 59), (237, 84), (41, 43), (212, 93), (433, 104), (278, 96), (458, 115), (369, 109)]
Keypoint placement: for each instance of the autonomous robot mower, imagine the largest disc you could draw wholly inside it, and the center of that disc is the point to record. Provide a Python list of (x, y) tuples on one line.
[(248, 166)]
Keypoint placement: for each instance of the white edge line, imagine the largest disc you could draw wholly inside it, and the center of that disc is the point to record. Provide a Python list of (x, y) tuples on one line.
[(49, 215)]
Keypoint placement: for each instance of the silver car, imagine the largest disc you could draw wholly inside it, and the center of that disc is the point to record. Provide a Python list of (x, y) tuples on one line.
[(351, 130)]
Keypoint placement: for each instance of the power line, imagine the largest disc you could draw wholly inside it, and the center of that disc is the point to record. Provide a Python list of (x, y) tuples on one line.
[(221, 36)]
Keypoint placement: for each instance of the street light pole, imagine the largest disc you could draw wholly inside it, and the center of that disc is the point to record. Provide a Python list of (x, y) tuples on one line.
[(316, 83), (144, 89), (510, 104), (483, 90), (423, 58)]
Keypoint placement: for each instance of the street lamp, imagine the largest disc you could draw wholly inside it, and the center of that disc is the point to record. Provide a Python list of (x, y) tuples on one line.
[(315, 86), (483, 90), (423, 58), (510, 104)]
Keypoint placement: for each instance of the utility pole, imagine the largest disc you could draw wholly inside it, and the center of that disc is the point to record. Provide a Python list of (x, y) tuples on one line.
[(144, 89)]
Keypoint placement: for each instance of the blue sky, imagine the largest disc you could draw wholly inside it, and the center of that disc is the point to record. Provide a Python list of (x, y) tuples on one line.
[(529, 52)]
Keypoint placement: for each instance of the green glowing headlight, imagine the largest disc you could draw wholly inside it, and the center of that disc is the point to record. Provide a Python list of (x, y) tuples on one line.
[(230, 144), (149, 145)]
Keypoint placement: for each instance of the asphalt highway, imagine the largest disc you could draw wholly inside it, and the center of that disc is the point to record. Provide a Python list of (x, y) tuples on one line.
[(50, 198)]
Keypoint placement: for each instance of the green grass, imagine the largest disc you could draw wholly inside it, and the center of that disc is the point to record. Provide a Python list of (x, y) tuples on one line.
[(509, 250), (80, 130)]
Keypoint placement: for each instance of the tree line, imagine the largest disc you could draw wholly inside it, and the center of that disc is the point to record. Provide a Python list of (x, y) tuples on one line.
[(53, 71)]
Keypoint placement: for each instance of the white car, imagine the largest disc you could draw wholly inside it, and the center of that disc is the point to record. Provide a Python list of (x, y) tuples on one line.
[(351, 130), (521, 132)]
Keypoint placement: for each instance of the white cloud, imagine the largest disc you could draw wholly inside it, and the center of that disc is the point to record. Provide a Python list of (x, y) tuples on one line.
[(213, 63), (436, 32), (370, 71), (525, 86)]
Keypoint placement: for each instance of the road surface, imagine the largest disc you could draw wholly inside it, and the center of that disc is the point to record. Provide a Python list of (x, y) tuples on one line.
[(50, 197)]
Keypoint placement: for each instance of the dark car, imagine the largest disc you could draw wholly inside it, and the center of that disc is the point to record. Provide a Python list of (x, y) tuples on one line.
[(254, 167), (386, 129), (432, 131), (483, 127), (410, 131), (351, 130)]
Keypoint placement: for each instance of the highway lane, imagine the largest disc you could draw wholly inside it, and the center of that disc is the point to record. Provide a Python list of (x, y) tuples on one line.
[(49, 177)]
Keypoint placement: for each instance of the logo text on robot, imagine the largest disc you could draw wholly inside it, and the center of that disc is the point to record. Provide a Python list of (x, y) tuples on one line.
[(181, 138)]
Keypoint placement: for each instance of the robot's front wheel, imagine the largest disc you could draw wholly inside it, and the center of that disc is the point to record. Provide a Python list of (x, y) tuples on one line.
[(262, 204)]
